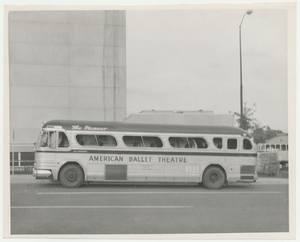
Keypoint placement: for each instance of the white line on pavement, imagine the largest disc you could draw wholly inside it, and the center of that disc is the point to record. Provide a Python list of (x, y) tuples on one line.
[(101, 207), (142, 193)]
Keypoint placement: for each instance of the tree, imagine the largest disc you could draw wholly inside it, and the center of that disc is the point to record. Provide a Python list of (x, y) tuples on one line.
[(249, 122), (260, 133)]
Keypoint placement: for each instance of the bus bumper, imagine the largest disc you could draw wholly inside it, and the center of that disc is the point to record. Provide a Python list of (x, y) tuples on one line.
[(41, 174), (248, 178)]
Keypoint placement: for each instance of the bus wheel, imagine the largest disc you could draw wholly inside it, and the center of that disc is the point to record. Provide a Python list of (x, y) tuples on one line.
[(71, 176), (213, 178)]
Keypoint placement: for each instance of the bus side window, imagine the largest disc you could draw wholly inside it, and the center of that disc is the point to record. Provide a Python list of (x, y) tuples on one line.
[(188, 143), (178, 142), (232, 144), (86, 140), (106, 140), (62, 140), (218, 142), (247, 144), (199, 143), (152, 141), (191, 144), (133, 141)]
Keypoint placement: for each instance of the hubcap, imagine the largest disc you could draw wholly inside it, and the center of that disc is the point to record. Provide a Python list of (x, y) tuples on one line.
[(71, 176), (213, 178)]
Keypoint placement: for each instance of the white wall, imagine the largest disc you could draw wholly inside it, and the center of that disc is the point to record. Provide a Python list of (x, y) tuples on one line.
[(65, 65), (185, 119)]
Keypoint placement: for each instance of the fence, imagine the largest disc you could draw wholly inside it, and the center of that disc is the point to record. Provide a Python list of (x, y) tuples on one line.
[(269, 165), (24, 167), (21, 158)]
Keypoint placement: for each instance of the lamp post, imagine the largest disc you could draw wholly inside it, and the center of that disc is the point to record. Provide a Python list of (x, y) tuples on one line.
[(241, 75)]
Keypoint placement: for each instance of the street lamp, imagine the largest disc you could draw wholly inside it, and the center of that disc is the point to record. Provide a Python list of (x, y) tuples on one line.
[(241, 75)]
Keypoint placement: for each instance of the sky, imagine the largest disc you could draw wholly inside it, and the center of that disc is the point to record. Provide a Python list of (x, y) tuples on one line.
[(189, 60)]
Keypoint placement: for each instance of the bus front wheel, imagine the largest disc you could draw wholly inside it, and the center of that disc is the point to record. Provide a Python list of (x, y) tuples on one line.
[(213, 178), (71, 176)]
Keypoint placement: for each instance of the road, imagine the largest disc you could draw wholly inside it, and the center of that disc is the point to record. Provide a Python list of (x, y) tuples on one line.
[(48, 208)]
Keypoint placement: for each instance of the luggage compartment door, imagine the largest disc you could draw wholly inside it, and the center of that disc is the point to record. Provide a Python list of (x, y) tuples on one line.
[(115, 172)]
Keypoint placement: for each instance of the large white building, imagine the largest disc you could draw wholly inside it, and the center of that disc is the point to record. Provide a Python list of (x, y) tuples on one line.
[(65, 65), (199, 117)]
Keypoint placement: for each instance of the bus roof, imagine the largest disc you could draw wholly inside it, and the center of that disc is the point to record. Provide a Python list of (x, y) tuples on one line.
[(79, 125)]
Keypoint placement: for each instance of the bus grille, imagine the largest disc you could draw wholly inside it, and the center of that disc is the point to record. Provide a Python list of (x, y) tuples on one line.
[(247, 169)]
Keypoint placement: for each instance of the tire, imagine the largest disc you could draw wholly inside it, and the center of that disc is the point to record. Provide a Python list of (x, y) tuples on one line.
[(71, 176), (213, 178)]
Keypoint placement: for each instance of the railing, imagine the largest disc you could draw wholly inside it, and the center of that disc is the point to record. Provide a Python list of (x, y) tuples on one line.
[(19, 162), (269, 165), (23, 167)]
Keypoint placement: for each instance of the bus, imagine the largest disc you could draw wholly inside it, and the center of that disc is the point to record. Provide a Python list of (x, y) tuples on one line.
[(75, 152)]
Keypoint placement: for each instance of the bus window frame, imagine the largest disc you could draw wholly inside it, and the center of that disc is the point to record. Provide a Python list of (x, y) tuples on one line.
[(95, 134), (251, 142), (141, 136), (153, 136), (68, 138), (189, 139), (238, 146), (108, 146), (214, 145)]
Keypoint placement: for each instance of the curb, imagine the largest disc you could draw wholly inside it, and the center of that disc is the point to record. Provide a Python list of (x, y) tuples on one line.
[(30, 179)]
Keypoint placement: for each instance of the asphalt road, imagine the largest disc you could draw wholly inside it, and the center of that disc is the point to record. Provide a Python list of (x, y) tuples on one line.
[(48, 208)]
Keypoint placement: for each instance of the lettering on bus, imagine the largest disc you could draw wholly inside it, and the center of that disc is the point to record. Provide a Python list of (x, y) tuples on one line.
[(132, 159), (139, 159), (89, 128), (172, 159), (106, 158)]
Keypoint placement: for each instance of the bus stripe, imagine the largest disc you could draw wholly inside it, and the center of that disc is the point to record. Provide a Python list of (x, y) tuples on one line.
[(150, 152)]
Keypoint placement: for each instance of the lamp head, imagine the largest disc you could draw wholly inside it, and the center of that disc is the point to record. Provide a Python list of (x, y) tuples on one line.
[(249, 12)]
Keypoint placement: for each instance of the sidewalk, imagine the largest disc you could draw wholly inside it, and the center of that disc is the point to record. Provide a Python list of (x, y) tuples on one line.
[(30, 179)]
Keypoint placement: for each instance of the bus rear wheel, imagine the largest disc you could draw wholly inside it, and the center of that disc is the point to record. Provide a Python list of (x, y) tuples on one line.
[(71, 176), (213, 178)]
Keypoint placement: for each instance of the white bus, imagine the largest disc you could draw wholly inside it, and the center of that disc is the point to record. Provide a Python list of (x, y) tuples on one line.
[(74, 152)]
